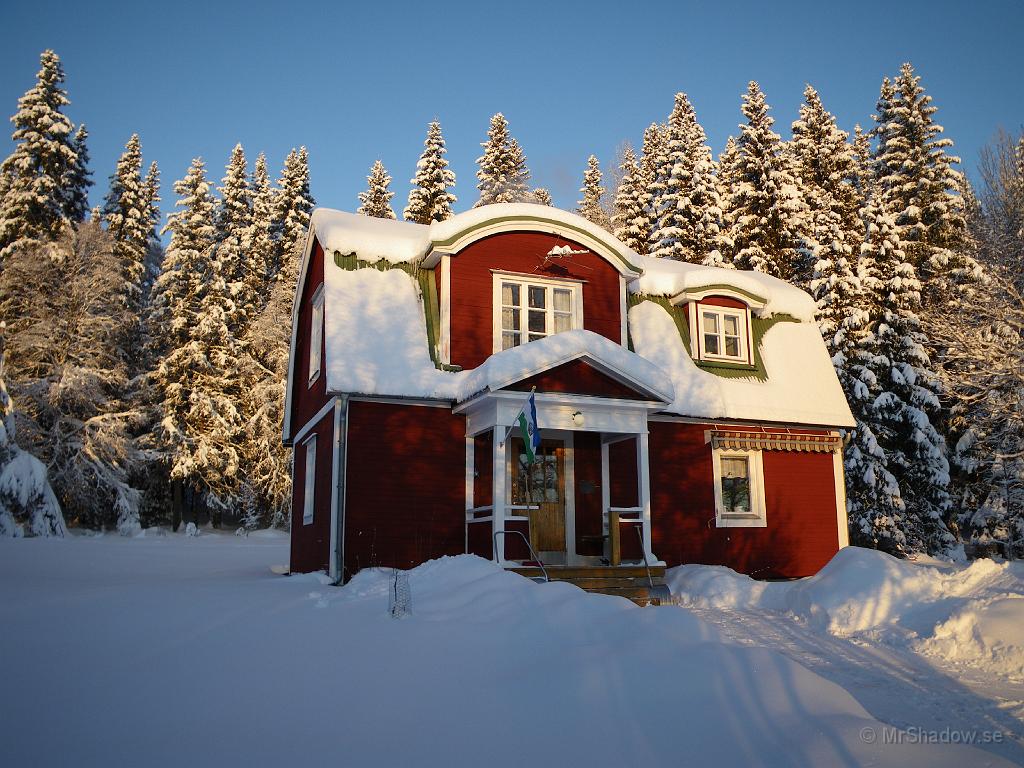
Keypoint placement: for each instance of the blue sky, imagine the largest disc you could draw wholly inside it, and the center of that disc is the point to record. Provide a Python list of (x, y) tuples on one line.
[(359, 81)]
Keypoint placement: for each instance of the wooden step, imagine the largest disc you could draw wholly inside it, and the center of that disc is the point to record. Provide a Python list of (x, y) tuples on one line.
[(568, 573), (631, 582)]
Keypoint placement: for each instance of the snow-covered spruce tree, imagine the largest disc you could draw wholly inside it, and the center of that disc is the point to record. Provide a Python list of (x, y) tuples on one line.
[(78, 180), (70, 372), (34, 204), (128, 217), (628, 221), (651, 158), (918, 178), (262, 265), (541, 196), (671, 176), (233, 235), (767, 212), (26, 499), (502, 174), (906, 405), (294, 207), (197, 378), (376, 200), (431, 198), (591, 206), (155, 249)]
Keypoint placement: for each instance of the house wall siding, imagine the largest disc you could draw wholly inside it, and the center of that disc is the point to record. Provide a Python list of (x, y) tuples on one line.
[(801, 535), (578, 378), (472, 288), (308, 400), (311, 544), (405, 494)]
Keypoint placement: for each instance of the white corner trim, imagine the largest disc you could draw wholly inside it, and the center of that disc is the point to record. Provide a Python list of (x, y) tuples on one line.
[(623, 312), (334, 566), (314, 421), (758, 517), (842, 521), (445, 301)]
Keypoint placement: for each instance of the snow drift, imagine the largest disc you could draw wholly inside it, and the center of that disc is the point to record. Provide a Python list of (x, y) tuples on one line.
[(972, 613)]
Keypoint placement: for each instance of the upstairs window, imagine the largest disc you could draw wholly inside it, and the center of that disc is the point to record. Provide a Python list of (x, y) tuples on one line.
[(316, 335), (527, 309), (720, 334)]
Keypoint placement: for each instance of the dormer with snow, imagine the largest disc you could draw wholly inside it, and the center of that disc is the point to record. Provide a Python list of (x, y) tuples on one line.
[(687, 413)]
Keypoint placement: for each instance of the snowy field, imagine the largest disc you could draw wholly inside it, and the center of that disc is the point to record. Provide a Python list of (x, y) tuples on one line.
[(167, 650)]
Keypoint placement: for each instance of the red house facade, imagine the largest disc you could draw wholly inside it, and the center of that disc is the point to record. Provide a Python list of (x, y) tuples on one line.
[(688, 414)]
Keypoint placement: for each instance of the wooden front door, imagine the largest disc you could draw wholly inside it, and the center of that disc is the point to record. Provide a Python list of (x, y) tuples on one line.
[(540, 486)]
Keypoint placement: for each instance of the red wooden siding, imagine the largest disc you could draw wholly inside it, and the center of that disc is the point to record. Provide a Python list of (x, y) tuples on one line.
[(801, 535), (311, 544), (483, 462), (625, 492), (307, 400), (578, 378), (589, 515), (472, 288), (405, 496), (723, 301)]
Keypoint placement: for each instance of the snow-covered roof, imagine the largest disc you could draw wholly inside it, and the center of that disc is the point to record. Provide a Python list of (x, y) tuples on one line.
[(377, 344)]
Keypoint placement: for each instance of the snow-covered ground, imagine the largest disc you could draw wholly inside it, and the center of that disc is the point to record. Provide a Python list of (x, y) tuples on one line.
[(167, 650), (927, 646)]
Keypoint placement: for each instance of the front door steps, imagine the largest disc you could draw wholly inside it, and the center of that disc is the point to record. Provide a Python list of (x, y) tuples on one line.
[(629, 581)]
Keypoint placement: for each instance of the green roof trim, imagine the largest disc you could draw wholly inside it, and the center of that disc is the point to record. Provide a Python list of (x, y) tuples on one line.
[(759, 326), (428, 290), (552, 222), (724, 287)]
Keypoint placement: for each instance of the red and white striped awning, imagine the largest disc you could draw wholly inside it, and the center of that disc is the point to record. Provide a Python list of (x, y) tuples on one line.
[(774, 441)]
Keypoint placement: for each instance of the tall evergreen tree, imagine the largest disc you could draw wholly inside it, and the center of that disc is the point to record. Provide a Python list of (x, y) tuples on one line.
[(197, 378), (34, 204), (629, 223), (294, 206), (79, 179), (541, 196), (673, 155), (920, 183), (651, 158), (376, 200), (905, 404), (233, 235), (502, 174), (768, 214), (430, 198), (591, 207), (261, 261), (127, 213)]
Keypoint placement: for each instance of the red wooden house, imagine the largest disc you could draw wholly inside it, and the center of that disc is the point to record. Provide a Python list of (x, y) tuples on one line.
[(688, 414)]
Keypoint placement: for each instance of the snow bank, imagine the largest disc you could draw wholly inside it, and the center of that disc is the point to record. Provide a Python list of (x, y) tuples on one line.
[(972, 614), (257, 669), (808, 393), (664, 277)]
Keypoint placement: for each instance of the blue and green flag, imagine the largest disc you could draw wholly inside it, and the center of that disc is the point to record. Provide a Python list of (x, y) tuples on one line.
[(528, 429)]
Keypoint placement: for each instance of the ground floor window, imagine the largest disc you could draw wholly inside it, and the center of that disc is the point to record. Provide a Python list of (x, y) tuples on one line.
[(739, 488), (309, 488)]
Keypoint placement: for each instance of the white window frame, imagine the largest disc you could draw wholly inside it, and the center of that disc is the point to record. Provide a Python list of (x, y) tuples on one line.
[(316, 335), (697, 312), (756, 518), (309, 481), (525, 282)]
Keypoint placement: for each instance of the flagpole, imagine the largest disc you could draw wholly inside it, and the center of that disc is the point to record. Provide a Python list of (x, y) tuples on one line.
[(515, 418)]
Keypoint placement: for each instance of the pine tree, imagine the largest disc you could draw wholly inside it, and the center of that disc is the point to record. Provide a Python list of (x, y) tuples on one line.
[(651, 158), (541, 196), (671, 173), (78, 180), (502, 174), (921, 185), (376, 200), (233, 235), (25, 494), (591, 206), (33, 206), (261, 260), (127, 213), (906, 402), (768, 215), (294, 207), (430, 198), (197, 378), (629, 223)]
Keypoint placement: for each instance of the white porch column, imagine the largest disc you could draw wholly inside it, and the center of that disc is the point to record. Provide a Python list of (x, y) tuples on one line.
[(498, 493), (470, 475), (606, 491), (644, 491)]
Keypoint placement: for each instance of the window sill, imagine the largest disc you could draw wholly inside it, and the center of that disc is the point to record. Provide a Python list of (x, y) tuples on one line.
[(312, 380), (727, 364), (740, 522)]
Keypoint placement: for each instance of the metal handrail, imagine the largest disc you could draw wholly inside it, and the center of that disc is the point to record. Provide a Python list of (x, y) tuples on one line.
[(529, 546), (643, 554)]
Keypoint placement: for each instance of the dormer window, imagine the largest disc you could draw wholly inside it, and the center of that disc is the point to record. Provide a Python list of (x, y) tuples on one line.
[(723, 334), (720, 331), (527, 308)]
